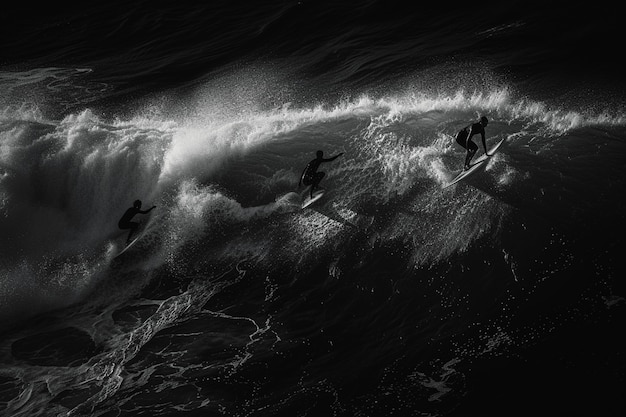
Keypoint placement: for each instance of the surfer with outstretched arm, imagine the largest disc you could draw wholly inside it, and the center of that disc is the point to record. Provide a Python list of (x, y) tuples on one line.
[(310, 176), (125, 221), (464, 138)]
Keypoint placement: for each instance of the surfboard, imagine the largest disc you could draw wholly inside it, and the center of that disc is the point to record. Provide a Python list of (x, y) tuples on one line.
[(476, 164), (316, 196), (132, 242)]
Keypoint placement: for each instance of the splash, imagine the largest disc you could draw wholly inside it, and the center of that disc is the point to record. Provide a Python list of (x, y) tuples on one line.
[(63, 184)]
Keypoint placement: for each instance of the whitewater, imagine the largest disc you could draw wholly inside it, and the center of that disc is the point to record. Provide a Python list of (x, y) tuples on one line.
[(224, 176), (391, 295)]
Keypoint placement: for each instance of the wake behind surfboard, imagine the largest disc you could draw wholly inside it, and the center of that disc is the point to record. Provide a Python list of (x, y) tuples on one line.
[(476, 165)]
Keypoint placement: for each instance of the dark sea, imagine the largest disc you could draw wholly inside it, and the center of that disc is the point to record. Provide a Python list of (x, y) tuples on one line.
[(502, 295)]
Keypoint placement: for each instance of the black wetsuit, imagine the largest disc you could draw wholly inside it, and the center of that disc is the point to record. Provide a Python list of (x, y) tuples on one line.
[(311, 177), (464, 138), (125, 222), (467, 143)]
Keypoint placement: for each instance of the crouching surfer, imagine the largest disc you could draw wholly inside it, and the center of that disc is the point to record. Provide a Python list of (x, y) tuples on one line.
[(310, 176), (464, 138), (125, 221)]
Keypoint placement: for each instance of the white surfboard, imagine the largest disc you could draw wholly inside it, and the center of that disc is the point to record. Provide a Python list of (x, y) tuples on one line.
[(132, 242), (476, 164), (316, 196)]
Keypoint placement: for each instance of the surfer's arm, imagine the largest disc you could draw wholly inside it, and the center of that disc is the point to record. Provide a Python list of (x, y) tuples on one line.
[(147, 211), (482, 134), (333, 158)]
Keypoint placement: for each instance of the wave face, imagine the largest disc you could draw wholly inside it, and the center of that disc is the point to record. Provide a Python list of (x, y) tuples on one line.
[(389, 295)]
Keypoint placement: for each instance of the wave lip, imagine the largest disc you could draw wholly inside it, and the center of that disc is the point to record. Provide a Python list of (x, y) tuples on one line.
[(64, 184)]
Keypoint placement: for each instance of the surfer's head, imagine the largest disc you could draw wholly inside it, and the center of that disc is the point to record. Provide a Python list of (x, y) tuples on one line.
[(484, 121), (137, 204), (319, 154)]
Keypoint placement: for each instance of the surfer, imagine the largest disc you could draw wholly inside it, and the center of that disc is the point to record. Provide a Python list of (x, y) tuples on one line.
[(464, 138), (125, 221), (310, 176)]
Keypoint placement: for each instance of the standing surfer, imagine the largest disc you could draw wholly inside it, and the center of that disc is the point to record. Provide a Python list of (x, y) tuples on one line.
[(464, 138), (125, 221), (310, 176)]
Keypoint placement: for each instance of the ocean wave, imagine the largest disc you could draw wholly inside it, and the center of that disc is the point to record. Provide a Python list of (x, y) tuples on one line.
[(65, 183)]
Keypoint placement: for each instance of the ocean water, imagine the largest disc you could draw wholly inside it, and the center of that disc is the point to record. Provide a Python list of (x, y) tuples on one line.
[(502, 295)]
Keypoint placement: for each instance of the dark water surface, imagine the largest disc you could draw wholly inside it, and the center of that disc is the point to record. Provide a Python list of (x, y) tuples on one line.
[(502, 295)]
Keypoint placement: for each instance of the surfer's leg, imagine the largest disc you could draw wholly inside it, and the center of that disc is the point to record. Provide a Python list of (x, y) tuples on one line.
[(308, 181), (471, 150), (461, 138), (316, 181), (133, 228)]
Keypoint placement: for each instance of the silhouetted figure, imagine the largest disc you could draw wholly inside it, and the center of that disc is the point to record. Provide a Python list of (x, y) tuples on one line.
[(310, 176), (125, 221), (464, 138)]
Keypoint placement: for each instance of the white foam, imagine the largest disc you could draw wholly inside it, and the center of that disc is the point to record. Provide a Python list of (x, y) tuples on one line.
[(64, 185)]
